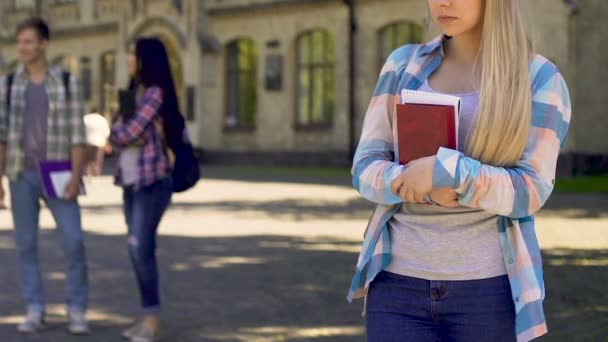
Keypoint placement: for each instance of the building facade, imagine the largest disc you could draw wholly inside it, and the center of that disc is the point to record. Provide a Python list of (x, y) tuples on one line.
[(288, 80)]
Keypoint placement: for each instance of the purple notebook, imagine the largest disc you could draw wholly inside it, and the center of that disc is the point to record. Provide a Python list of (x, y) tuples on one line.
[(55, 176)]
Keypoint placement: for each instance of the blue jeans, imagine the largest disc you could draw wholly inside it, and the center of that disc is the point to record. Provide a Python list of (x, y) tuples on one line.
[(144, 209), (26, 193), (402, 309)]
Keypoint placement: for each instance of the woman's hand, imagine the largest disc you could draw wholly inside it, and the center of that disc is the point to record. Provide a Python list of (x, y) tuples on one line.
[(416, 181), (117, 119), (444, 197)]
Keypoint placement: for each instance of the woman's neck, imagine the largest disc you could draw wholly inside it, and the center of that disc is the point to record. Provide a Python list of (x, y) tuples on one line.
[(464, 48)]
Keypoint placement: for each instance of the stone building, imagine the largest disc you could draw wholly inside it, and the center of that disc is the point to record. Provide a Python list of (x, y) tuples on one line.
[(289, 80)]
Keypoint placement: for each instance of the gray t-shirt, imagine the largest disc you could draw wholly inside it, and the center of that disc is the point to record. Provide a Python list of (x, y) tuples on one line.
[(35, 124), (437, 243)]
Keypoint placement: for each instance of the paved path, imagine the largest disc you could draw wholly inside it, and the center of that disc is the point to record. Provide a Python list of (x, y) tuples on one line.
[(245, 258)]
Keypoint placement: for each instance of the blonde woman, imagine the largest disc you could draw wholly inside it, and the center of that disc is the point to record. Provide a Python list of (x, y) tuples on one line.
[(469, 267)]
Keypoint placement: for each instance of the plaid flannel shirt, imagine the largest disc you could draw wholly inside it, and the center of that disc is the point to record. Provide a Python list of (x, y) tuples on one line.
[(141, 130), (514, 193), (65, 122)]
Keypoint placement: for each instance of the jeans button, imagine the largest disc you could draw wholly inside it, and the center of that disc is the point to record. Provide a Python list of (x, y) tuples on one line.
[(435, 293)]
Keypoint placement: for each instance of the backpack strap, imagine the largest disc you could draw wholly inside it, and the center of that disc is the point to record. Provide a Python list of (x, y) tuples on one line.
[(9, 88), (65, 75)]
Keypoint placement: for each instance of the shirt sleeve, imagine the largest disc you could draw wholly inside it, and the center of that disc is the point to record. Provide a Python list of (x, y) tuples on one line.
[(3, 112), (127, 132), (521, 190), (78, 134), (374, 168)]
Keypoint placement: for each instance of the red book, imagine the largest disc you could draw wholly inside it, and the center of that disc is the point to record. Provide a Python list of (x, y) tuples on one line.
[(426, 122)]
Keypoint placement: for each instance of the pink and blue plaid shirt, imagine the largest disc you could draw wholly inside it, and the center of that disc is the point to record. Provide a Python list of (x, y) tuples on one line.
[(513, 193), (153, 163)]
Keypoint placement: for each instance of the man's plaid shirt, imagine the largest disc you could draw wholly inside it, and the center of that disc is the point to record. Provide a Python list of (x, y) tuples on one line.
[(65, 122)]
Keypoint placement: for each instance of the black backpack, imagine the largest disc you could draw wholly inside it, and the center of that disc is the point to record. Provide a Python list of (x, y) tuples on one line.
[(186, 169), (65, 75)]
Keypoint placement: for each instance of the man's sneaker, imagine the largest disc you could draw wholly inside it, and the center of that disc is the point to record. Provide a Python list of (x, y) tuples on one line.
[(78, 323), (129, 333), (34, 322), (145, 334)]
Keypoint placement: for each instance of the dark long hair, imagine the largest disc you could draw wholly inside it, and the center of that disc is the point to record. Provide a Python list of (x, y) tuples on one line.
[(154, 70)]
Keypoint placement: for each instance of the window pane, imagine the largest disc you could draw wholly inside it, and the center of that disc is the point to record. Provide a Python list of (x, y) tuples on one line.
[(304, 49), (246, 99), (19, 4), (241, 83), (330, 54), (243, 45), (313, 83), (405, 34), (304, 96), (232, 56), (417, 33), (242, 97), (244, 62), (318, 100), (396, 35), (330, 94), (244, 53), (386, 43), (86, 77), (107, 98), (252, 101), (232, 84), (249, 88), (252, 57), (232, 98), (318, 47)]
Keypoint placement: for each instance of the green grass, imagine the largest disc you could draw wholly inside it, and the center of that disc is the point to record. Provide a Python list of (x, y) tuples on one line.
[(583, 184), (299, 171)]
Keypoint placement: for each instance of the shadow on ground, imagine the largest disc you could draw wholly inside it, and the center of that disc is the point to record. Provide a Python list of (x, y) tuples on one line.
[(576, 298), (214, 289), (566, 205), (278, 174), (266, 288), (572, 205), (337, 177), (287, 209)]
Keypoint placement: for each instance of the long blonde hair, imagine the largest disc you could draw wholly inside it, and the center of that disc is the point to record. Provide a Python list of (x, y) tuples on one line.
[(505, 106)]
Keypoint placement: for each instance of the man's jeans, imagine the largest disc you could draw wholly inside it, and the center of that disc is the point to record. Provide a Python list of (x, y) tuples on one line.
[(26, 193)]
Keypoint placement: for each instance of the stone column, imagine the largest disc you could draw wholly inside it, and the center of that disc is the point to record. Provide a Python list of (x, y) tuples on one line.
[(87, 11)]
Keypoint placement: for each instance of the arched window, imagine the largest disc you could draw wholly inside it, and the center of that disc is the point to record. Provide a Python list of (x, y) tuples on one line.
[(315, 78), (241, 83), (24, 4), (86, 77), (395, 35), (107, 98)]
